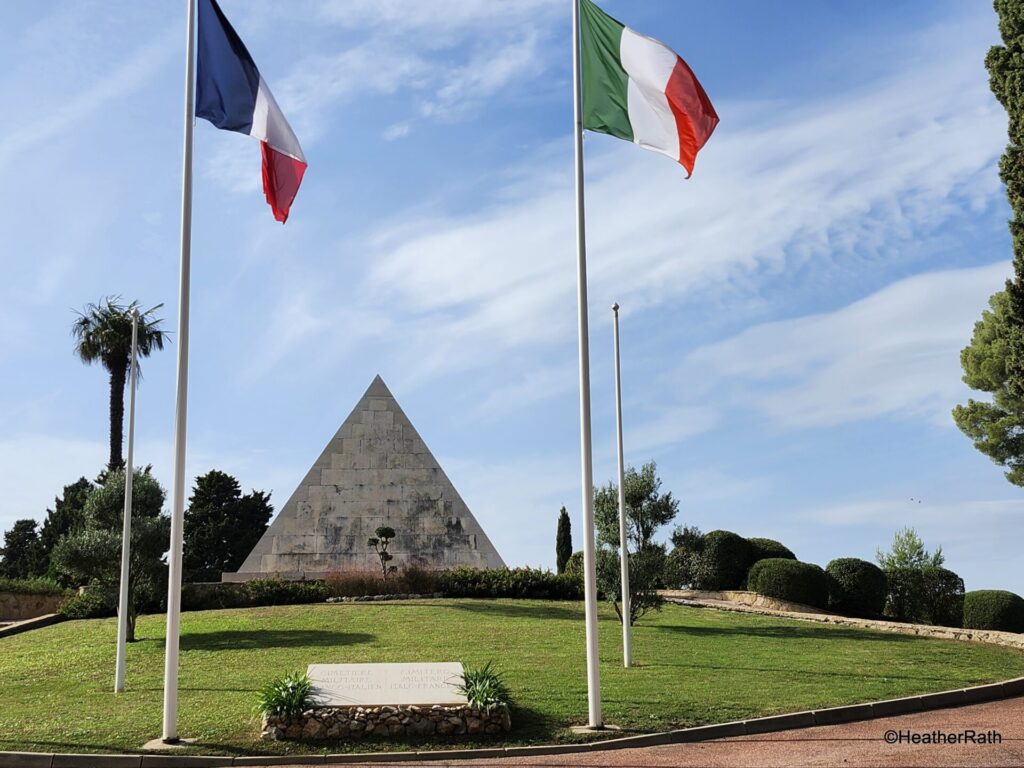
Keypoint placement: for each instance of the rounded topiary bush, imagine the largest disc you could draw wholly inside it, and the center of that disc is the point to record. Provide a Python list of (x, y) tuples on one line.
[(723, 561), (994, 609), (762, 549), (789, 580), (856, 587), (574, 566), (943, 597)]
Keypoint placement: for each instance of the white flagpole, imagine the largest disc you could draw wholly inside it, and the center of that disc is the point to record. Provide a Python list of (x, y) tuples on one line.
[(170, 726), (586, 464), (627, 630), (126, 529)]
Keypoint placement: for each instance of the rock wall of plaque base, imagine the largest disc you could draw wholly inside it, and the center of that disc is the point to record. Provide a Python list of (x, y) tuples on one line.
[(391, 723)]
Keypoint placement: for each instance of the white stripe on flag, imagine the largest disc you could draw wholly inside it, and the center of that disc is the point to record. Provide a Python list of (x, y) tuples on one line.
[(269, 125), (649, 65)]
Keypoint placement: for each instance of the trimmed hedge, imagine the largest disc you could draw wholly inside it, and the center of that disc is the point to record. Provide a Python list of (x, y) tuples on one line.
[(723, 561), (905, 601), (251, 594), (942, 597), (994, 609), (856, 587), (790, 580), (762, 549), (521, 583), (36, 586)]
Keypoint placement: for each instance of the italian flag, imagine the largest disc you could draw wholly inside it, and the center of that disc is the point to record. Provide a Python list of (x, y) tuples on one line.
[(639, 89)]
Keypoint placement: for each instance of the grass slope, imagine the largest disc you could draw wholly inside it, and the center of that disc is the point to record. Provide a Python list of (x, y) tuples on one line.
[(693, 666)]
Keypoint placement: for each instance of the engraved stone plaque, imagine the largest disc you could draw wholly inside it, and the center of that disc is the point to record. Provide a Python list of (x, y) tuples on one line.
[(343, 685)]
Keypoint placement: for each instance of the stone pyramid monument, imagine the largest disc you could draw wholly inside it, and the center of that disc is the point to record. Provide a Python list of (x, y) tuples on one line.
[(376, 471)]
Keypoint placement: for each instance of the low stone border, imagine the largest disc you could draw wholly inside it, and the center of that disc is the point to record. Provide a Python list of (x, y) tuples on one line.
[(835, 715), (383, 598), (24, 626), (398, 722), (740, 597), (1007, 639)]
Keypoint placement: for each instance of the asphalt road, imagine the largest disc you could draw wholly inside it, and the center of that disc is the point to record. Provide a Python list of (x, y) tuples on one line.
[(853, 745)]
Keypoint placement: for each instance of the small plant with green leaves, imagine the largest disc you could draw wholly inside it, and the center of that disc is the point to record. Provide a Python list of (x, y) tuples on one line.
[(285, 697), (484, 687), (380, 542)]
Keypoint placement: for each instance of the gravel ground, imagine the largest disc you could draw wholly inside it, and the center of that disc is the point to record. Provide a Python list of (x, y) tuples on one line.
[(851, 746)]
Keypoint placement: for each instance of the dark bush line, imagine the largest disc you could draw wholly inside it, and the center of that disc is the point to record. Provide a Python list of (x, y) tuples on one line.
[(994, 609), (36, 586), (790, 580), (856, 587)]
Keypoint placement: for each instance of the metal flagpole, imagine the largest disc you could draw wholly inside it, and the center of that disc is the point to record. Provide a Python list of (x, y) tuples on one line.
[(586, 467), (170, 728), (627, 639), (126, 530)]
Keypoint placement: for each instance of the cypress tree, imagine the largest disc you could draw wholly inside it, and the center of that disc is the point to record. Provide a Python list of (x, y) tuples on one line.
[(1005, 65), (563, 540)]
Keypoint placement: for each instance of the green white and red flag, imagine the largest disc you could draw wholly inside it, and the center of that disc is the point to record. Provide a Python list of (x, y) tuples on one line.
[(639, 89)]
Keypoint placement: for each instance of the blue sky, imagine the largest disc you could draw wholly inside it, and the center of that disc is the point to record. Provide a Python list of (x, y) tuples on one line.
[(792, 315)]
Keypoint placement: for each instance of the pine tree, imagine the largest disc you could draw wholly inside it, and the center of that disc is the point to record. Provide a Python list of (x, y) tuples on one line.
[(563, 541)]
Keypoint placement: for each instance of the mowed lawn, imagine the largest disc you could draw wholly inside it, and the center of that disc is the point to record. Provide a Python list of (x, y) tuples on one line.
[(692, 666)]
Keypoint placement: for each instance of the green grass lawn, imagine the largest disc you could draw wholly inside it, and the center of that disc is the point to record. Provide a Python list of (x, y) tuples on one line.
[(692, 666)]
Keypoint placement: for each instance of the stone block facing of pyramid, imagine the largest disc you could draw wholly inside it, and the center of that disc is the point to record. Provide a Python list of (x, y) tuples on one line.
[(375, 471)]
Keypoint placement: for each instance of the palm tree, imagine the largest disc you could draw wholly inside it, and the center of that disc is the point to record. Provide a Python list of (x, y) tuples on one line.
[(103, 333)]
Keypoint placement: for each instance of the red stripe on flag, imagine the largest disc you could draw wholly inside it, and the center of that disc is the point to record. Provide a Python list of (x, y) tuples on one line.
[(695, 116), (282, 176)]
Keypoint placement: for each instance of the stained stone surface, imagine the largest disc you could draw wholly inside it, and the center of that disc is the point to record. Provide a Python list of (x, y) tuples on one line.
[(375, 471)]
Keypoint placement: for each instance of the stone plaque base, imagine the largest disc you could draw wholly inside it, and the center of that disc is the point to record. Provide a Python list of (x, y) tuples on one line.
[(393, 723)]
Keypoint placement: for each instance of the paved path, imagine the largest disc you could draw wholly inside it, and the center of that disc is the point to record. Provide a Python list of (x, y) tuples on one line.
[(851, 746)]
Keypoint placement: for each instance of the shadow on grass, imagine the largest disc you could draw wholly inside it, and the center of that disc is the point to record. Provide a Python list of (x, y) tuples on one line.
[(235, 640), (571, 610), (785, 632)]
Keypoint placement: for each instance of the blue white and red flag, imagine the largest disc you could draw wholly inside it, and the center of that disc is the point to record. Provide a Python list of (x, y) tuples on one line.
[(231, 94)]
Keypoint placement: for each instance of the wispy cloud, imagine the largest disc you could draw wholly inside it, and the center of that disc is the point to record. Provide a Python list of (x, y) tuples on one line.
[(893, 353), (66, 116)]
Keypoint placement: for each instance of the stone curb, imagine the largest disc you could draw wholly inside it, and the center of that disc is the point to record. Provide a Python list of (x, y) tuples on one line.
[(773, 723), (24, 626)]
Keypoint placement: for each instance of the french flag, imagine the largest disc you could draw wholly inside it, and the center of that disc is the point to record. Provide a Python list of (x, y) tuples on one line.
[(232, 95)]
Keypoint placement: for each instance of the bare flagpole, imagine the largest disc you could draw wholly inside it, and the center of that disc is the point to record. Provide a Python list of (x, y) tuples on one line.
[(170, 726), (627, 630), (586, 460), (126, 528)]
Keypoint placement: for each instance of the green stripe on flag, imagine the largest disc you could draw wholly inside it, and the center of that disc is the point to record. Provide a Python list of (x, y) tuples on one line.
[(604, 80)]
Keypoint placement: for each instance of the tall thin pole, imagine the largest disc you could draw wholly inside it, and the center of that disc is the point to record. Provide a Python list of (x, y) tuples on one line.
[(126, 529), (627, 639), (586, 465), (170, 731)]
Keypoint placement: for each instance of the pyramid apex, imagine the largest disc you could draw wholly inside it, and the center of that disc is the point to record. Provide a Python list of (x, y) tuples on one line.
[(378, 388)]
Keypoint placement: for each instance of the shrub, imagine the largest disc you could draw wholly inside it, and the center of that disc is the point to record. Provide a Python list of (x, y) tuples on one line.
[(484, 688), (530, 583), (682, 562), (95, 602), (856, 587), (905, 601), (413, 580), (281, 592), (762, 549), (646, 569), (942, 597), (723, 561), (789, 580), (994, 609), (574, 566), (39, 585), (285, 696)]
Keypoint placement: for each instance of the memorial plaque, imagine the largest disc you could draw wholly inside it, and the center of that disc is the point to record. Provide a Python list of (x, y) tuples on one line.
[(344, 685)]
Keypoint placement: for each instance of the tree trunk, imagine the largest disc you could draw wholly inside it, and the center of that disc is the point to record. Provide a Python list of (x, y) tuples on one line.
[(118, 374), (130, 634)]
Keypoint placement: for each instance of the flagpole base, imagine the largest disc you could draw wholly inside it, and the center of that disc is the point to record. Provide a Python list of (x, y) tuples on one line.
[(585, 729), (155, 745)]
